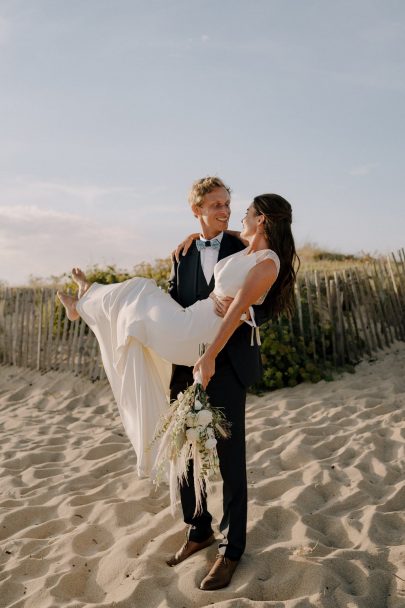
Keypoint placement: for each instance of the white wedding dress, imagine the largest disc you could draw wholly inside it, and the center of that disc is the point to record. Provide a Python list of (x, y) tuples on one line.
[(141, 331)]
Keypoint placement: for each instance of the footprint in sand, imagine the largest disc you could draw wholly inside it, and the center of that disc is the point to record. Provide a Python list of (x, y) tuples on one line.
[(102, 451), (353, 581), (327, 448), (275, 524), (295, 455), (25, 518), (10, 591), (387, 529), (286, 577), (48, 529), (94, 539), (30, 568), (79, 583), (396, 502), (328, 530)]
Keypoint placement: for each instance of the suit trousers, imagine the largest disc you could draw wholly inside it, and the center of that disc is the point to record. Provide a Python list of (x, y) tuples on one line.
[(227, 392)]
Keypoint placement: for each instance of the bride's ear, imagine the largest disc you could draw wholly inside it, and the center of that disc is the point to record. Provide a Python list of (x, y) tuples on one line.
[(260, 224)]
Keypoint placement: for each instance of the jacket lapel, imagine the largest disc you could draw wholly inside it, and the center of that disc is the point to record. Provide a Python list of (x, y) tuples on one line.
[(224, 250), (194, 268), (227, 247)]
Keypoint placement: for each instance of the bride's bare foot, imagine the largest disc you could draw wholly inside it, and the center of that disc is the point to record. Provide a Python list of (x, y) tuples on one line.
[(80, 279), (69, 302)]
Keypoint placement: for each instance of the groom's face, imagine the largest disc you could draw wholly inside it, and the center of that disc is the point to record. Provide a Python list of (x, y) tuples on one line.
[(214, 212)]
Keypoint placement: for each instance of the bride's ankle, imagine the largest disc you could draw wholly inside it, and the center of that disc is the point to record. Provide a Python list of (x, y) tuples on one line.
[(83, 290)]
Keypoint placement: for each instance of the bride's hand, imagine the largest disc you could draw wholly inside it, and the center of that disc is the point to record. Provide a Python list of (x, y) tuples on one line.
[(184, 245), (205, 367)]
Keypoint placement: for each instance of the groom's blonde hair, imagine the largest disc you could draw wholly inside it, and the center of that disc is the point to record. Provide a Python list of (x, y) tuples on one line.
[(203, 186)]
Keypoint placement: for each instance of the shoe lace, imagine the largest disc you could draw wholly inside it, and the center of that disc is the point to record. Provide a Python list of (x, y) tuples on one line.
[(223, 559)]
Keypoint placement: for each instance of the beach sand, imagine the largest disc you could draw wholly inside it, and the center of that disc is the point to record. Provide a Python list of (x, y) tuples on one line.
[(326, 522)]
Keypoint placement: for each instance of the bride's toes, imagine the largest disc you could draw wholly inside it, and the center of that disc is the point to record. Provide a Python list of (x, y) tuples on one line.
[(69, 302), (79, 278)]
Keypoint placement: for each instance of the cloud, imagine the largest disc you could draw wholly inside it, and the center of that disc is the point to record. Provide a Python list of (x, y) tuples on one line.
[(362, 170), (205, 38), (46, 226), (44, 241), (27, 190), (31, 214)]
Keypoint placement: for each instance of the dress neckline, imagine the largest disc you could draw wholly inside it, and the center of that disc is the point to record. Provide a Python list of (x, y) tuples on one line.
[(259, 251), (243, 252)]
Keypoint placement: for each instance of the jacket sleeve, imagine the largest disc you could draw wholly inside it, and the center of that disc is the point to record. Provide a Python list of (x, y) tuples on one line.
[(172, 282), (261, 314)]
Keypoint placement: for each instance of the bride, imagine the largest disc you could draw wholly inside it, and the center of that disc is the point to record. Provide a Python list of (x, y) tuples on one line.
[(142, 331)]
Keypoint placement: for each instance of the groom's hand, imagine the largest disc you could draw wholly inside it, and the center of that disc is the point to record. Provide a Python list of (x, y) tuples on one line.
[(222, 305), (184, 246)]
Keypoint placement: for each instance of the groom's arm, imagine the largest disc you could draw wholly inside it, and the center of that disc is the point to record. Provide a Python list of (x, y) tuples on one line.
[(172, 281)]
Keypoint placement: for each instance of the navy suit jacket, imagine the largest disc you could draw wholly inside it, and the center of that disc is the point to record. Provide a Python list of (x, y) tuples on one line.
[(187, 284)]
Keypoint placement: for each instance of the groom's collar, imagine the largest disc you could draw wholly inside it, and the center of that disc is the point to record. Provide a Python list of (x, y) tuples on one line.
[(218, 237)]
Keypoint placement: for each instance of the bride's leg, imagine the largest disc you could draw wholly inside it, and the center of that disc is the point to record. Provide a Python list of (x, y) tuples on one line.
[(69, 302), (79, 278)]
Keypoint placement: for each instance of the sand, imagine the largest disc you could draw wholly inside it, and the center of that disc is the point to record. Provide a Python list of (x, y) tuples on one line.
[(326, 499)]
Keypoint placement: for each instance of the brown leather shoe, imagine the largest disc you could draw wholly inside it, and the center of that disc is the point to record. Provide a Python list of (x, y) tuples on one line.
[(220, 574), (189, 548)]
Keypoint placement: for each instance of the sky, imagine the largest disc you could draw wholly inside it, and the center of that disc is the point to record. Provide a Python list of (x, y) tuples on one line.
[(110, 109)]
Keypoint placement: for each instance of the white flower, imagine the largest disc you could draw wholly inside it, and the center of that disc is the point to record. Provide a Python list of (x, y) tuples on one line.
[(191, 420), (197, 404), (204, 417), (192, 434), (210, 443)]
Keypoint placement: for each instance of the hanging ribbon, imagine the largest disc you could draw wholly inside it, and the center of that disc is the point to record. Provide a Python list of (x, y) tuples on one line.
[(255, 329)]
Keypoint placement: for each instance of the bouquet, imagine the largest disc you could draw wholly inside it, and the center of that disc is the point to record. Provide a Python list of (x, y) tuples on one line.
[(189, 433)]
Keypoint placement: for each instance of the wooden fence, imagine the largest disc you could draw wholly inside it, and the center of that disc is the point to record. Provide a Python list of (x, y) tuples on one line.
[(340, 317)]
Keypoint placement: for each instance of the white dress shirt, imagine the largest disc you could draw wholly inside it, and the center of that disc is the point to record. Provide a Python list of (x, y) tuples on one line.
[(209, 257)]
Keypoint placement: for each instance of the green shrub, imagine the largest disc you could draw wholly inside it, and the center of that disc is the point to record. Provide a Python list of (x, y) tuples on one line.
[(286, 360), (159, 271)]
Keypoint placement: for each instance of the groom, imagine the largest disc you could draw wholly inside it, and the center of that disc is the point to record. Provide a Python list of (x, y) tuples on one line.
[(237, 366)]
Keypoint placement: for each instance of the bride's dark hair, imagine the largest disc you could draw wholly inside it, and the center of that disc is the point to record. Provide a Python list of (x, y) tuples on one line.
[(277, 229)]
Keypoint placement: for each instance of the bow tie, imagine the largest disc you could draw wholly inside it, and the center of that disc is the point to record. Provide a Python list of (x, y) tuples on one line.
[(214, 243)]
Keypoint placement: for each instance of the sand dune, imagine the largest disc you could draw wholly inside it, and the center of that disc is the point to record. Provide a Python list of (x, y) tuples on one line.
[(326, 499)]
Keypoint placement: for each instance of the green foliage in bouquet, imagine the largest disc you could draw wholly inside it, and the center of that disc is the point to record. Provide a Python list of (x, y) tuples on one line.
[(188, 434)]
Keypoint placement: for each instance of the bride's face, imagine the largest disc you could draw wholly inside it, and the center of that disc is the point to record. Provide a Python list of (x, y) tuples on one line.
[(250, 222)]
